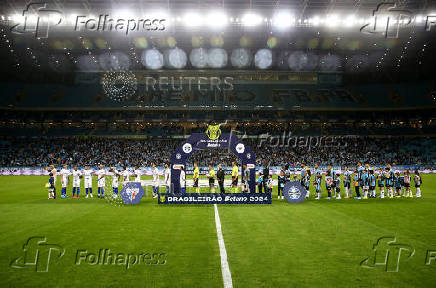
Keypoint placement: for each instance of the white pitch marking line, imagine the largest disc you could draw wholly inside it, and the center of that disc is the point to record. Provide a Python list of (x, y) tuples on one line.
[(227, 276)]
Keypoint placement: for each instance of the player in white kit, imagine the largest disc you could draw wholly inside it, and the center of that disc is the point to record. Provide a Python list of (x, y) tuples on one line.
[(65, 173), (182, 180), (126, 175), (76, 181), (101, 181), (115, 180), (88, 180), (155, 181), (167, 178), (138, 174)]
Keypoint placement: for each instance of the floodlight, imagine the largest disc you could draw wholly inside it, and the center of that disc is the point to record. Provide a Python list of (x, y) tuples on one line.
[(263, 58), (240, 58), (217, 58), (175, 58), (152, 59), (198, 57), (251, 20)]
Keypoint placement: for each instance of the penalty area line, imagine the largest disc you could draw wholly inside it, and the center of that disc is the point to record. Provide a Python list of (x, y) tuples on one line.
[(225, 270)]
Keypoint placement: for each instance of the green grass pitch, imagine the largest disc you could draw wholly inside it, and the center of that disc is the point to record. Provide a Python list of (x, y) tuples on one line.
[(313, 244)]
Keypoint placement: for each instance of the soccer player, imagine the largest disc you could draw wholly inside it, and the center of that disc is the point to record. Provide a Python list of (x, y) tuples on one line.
[(211, 176), (76, 181), (407, 181), (101, 181), (338, 184), (365, 182), (360, 172), (245, 178), (220, 176), (88, 181), (418, 182), (328, 183), (347, 182), (269, 184), (167, 175), (281, 184), (125, 175), (287, 173), (260, 183), (115, 181), (380, 182), (356, 183), (389, 180), (307, 181), (332, 174), (196, 176), (51, 187), (138, 174), (182, 180), (265, 174), (303, 174), (53, 170), (397, 181), (65, 173), (372, 183), (235, 174), (317, 182), (155, 180)]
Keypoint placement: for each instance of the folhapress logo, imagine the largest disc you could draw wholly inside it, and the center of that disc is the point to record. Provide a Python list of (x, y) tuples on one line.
[(38, 254), (387, 254), (38, 18)]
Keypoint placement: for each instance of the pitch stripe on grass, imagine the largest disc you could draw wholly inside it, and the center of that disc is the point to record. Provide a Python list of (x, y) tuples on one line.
[(225, 270)]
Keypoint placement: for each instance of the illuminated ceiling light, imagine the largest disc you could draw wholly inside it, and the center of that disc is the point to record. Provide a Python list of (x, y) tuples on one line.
[(419, 19), (176, 58), (315, 21), (16, 17), (198, 57), (332, 20), (263, 58), (350, 20), (152, 59), (251, 20), (217, 58), (193, 20), (217, 19), (282, 20)]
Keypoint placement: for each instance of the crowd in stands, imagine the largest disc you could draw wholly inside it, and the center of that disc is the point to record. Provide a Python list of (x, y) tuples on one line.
[(39, 152)]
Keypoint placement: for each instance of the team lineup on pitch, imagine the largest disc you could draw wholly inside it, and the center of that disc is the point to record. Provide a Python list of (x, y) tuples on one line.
[(189, 237)]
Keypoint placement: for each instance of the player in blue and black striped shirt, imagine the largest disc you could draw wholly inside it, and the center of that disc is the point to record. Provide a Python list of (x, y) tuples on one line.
[(381, 184)]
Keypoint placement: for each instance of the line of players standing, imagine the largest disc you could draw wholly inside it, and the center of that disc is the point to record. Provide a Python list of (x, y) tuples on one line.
[(101, 174), (364, 180)]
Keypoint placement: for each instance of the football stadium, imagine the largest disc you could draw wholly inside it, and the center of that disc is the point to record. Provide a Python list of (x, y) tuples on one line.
[(231, 143)]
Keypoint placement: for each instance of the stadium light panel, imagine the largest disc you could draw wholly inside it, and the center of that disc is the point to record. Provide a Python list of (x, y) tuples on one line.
[(176, 58), (152, 59), (217, 58), (217, 19), (263, 58), (251, 20), (350, 20), (283, 20), (332, 20), (315, 21), (198, 57), (192, 19)]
